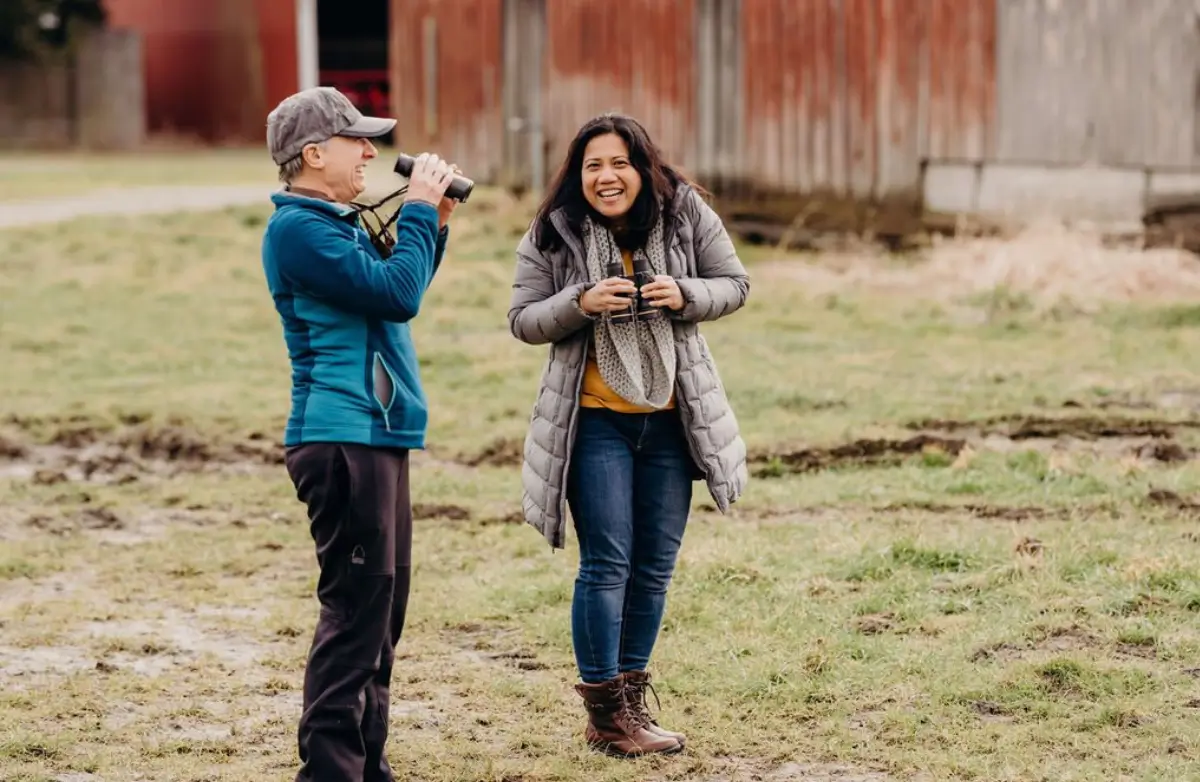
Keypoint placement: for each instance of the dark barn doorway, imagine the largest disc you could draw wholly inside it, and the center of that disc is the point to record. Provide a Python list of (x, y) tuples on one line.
[(353, 53)]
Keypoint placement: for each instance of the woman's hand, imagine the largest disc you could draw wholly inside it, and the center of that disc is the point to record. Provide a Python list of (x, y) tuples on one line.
[(610, 295), (663, 292)]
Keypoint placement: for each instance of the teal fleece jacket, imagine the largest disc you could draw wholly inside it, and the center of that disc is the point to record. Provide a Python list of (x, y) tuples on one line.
[(345, 313)]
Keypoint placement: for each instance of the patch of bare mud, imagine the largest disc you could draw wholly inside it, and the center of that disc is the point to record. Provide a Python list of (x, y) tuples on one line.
[(1169, 499), (979, 511), (492, 646), (820, 513), (210, 720), (1017, 426), (170, 640), (34, 666), (206, 719), (17, 662), (1182, 398), (124, 526), (1053, 640), (1142, 439), (504, 452), (54, 587), (875, 624), (78, 449), (746, 770), (859, 453), (83, 451), (1048, 263), (136, 525), (990, 711), (183, 638), (424, 511)]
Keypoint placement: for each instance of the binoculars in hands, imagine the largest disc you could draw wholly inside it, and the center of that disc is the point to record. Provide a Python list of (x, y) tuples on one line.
[(460, 187), (378, 227), (639, 308)]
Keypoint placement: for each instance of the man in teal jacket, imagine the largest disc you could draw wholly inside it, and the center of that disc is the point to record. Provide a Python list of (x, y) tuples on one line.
[(357, 409)]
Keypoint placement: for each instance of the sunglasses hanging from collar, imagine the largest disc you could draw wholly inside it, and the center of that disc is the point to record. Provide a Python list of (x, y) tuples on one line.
[(378, 227)]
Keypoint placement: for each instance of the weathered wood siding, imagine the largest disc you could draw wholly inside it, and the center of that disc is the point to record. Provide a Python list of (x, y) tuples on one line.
[(845, 99), (1098, 81), (631, 56), (848, 96), (446, 81)]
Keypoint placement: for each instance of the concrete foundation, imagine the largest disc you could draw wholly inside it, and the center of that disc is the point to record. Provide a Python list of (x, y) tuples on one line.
[(1114, 198)]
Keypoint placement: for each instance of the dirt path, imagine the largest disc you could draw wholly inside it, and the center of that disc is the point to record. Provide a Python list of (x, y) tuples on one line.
[(131, 201)]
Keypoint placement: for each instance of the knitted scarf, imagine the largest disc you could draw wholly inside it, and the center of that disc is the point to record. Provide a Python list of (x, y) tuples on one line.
[(636, 359)]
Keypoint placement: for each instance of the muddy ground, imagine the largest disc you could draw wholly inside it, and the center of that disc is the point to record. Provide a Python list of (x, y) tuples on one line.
[(77, 453), (1097, 431), (78, 449)]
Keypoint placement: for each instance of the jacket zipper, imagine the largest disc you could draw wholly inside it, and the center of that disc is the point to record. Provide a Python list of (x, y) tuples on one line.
[(685, 413), (668, 236), (559, 532), (386, 411), (562, 500)]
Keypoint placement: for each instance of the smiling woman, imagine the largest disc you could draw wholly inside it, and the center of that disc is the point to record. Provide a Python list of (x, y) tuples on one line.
[(610, 182), (622, 262)]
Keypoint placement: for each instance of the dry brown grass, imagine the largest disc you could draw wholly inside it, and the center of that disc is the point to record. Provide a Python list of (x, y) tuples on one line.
[(1052, 264)]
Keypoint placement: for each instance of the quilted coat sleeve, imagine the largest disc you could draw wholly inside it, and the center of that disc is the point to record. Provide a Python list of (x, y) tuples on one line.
[(540, 314), (722, 284)]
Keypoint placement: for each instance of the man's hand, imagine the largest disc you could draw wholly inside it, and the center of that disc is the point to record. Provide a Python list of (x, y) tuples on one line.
[(447, 205), (430, 177), (663, 292), (610, 295)]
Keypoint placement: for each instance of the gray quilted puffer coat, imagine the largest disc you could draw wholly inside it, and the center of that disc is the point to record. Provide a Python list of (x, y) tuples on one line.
[(545, 310)]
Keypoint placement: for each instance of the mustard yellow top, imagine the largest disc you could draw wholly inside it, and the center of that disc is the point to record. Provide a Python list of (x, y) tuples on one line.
[(595, 392)]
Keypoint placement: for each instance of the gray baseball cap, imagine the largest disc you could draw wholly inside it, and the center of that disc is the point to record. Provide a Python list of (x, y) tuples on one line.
[(314, 115)]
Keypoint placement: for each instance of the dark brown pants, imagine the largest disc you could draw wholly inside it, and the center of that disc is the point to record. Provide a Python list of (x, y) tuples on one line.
[(361, 522)]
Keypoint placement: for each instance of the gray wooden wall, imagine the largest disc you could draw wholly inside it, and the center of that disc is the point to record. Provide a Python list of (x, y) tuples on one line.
[(95, 101), (1112, 82)]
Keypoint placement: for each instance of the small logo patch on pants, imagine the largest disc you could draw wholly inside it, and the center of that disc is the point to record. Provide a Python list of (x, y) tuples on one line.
[(358, 556)]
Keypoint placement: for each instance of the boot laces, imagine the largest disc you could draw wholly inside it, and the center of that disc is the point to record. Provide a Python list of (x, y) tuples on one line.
[(636, 700)]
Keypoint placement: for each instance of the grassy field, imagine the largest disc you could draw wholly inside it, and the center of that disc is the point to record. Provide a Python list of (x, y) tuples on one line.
[(30, 175), (971, 549), (36, 175)]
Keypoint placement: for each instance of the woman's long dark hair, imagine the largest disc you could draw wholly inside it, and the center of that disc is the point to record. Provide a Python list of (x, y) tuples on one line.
[(659, 182)]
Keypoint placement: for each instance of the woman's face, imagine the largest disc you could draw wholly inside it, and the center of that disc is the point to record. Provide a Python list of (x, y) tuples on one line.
[(610, 182)]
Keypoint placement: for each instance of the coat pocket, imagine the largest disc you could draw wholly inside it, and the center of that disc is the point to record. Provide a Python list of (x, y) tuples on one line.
[(384, 387)]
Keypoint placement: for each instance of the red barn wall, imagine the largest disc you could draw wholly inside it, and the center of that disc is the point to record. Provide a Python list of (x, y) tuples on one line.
[(632, 56), (446, 81), (212, 71), (849, 95)]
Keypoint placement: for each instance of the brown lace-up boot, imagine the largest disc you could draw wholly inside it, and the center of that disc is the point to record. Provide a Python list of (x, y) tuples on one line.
[(616, 730), (636, 684)]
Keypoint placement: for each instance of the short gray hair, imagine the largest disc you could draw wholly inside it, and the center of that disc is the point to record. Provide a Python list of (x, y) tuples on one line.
[(292, 168)]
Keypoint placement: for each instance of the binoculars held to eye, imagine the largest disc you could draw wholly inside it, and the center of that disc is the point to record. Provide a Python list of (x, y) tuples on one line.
[(639, 309), (460, 187), (378, 227)]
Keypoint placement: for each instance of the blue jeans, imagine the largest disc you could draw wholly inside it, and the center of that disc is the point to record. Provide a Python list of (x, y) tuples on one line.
[(629, 490)]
